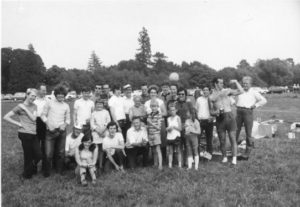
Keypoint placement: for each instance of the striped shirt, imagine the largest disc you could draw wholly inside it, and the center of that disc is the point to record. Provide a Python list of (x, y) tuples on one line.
[(155, 118)]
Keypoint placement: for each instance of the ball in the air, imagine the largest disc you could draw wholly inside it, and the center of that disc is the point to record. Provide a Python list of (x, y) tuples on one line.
[(174, 77)]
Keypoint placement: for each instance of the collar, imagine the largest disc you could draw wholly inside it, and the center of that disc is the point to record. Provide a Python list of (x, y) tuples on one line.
[(154, 113)]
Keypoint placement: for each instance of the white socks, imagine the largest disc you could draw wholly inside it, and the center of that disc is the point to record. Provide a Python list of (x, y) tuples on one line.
[(196, 162), (234, 160), (224, 160), (190, 162)]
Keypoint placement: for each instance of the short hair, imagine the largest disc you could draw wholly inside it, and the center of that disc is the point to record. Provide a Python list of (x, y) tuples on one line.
[(153, 87), (112, 123), (136, 117), (165, 84), (116, 87), (85, 89), (38, 86), (174, 84), (60, 90), (206, 86), (30, 90), (182, 89), (105, 85), (248, 78), (215, 80), (144, 84)]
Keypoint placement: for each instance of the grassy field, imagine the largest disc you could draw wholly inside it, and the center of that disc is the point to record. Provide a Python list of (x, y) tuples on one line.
[(270, 178)]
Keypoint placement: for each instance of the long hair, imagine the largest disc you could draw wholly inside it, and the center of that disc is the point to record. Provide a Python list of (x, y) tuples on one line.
[(85, 138)]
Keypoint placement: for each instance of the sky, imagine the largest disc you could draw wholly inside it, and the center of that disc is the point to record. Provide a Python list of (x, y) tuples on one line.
[(218, 33)]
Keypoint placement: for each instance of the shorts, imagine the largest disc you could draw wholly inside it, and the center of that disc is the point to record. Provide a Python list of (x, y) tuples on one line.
[(174, 142), (226, 122), (154, 139)]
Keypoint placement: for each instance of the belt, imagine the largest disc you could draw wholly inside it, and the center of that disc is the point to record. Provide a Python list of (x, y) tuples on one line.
[(239, 107)]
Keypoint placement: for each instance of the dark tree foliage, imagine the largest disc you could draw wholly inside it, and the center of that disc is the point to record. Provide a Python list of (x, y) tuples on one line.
[(143, 56)]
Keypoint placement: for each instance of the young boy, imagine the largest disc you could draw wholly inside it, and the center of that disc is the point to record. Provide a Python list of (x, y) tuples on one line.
[(99, 120), (73, 140), (154, 127), (83, 109)]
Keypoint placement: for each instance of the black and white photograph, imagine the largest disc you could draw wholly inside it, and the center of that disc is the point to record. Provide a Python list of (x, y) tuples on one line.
[(150, 103)]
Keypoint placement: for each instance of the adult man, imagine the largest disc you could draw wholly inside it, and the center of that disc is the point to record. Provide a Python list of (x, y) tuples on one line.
[(165, 93), (83, 109), (173, 97), (56, 115), (116, 106), (136, 144), (40, 102), (225, 122), (105, 95), (206, 120), (145, 96), (128, 103), (97, 93), (246, 103)]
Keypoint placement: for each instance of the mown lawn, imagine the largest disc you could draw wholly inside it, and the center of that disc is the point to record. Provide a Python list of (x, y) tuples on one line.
[(270, 178)]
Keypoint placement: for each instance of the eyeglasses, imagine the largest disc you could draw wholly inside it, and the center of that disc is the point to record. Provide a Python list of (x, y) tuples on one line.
[(181, 94)]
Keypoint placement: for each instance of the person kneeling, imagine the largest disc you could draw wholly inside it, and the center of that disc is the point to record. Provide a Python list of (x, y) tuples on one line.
[(86, 157), (137, 142), (113, 145)]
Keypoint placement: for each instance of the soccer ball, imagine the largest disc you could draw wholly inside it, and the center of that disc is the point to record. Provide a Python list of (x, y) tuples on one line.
[(174, 77)]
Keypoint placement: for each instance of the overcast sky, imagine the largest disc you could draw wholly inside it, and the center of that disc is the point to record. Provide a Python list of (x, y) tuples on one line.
[(217, 33)]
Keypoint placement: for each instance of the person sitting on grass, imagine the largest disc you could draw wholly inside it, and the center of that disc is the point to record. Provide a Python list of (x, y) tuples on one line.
[(73, 140), (113, 145), (137, 142), (192, 130), (100, 119), (173, 136), (86, 155), (154, 122), (26, 112)]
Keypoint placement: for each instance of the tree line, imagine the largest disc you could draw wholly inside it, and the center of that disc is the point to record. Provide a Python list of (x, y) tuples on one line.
[(24, 68)]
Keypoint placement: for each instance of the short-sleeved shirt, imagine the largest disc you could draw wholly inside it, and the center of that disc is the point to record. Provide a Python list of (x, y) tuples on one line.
[(160, 104), (138, 111), (28, 125), (117, 105), (156, 119), (136, 136), (109, 144), (84, 110)]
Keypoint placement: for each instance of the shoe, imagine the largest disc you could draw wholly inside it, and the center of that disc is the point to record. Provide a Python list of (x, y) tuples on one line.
[(224, 160), (233, 160), (94, 182)]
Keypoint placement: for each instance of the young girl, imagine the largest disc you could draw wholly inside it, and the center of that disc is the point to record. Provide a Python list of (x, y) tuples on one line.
[(154, 121), (86, 157), (192, 130), (26, 113), (173, 136), (99, 120)]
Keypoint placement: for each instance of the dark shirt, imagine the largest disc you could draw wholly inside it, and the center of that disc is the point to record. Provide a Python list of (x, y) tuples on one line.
[(144, 98), (182, 108)]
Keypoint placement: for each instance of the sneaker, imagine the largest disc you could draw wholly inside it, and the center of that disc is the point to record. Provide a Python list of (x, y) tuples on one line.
[(233, 161), (224, 160), (94, 182)]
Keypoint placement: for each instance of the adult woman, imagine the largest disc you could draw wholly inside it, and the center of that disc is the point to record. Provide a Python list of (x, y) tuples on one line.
[(113, 145), (26, 112)]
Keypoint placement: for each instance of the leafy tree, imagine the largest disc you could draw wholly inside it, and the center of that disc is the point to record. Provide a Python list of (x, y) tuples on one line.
[(243, 65), (26, 70), (144, 52), (31, 48), (6, 57), (94, 63)]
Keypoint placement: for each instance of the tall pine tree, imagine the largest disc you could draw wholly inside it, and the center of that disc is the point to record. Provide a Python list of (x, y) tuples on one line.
[(94, 62), (144, 52), (31, 48)]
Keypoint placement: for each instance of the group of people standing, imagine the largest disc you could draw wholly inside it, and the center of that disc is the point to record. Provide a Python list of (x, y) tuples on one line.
[(111, 130)]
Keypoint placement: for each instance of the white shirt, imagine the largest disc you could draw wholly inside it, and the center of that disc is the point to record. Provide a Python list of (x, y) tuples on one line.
[(111, 143), (56, 113), (136, 137), (250, 98), (40, 103), (100, 119), (160, 104), (117, 107), (72, 144), (128, 103), (173, 122), (202, 108), (84, 110)]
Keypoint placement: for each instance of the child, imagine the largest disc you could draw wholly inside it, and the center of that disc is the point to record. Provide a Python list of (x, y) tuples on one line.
[(154, 127), (192, 130), (86, 157), (173, 136), (99, 120), (73, 140)]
